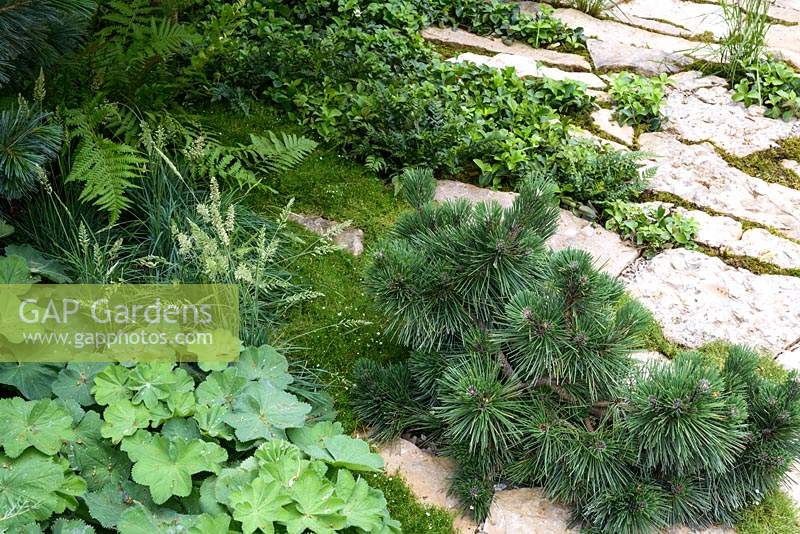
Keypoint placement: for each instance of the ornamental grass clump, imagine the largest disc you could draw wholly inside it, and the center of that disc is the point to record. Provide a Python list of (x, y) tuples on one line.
[(521, 370)]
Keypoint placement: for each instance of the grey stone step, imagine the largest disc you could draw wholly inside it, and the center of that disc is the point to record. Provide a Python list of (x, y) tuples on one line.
[(698, 299), (464, 38), (701, 108), (697, 174), (615, 45), (527, 67)]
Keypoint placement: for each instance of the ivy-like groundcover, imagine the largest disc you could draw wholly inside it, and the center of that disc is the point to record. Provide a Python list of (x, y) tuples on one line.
[(158, 448)]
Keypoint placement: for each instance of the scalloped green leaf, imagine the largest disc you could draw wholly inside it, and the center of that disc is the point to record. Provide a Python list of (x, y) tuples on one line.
[(34, 487), (220, 388), (260, 504), (14, 270), (97, 461), (264, 363), (166, 467), (71, 526), (75, 381), (42, 424), (33, 380), (110, 385), (107, 504), (38, 264), (364, 507), (264, 412), (123, 418)]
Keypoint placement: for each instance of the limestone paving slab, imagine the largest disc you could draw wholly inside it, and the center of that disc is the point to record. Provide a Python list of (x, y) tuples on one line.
[(630, 47), (697, 174), (460, 37), (767, 247), (677, 17), (697, 299), (611, 254), (787, 11), (525, 66), (701, 108), (792, 165), (615, 56), (604, 119), (526, 510), (785, 42), (728, 235)]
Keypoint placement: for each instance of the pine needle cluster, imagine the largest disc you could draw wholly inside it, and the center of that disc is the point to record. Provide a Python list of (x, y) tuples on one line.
[(522, 371)]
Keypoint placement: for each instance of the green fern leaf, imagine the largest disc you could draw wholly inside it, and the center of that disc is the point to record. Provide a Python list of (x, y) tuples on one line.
[(279, 154), (108, 170)]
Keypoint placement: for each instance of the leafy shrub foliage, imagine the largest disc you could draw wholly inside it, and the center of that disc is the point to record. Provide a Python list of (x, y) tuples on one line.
[(363, 78), (593, 174), (637, 100), (757, 77), (504, 19), (522, 371), (772, 84), (247, 448), (654, 227)]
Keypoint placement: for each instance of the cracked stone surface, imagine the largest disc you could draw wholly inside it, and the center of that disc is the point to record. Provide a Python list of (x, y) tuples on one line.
[(427, 476), (700, 108), (790, 359), (580, 133), (676, 17), (619, 46), (611, 254), (349, 239), (613, 56), (715, 230), (785, 41), (465, 38), (728, 235), (604, 120), (769, 248), (525, 66), (697, 299), (526, 510), (696, 173)]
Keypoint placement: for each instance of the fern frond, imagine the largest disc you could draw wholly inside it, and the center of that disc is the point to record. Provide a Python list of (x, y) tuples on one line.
[(107, 170), (275, 154)]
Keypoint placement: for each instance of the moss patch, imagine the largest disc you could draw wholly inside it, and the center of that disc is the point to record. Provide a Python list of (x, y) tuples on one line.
[(337, 188), (415, 517), (448, 50), (767, 163), (776, 514)]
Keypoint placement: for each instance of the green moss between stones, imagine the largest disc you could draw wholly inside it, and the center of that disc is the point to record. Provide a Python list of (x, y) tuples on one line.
[(745, 262), (766, 164), (415, 517), (448, 50), (661, 196), (776, 514)]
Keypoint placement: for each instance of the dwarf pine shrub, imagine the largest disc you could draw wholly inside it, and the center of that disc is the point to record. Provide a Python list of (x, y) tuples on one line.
[(522, 371)]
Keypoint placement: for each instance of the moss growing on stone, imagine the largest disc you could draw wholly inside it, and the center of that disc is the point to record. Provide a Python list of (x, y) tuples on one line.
[(776, 514), (766, 164)]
